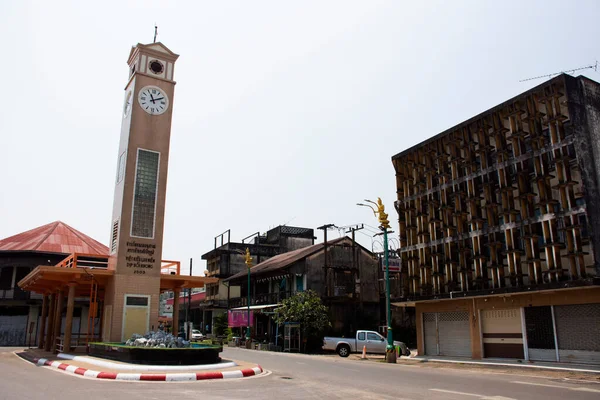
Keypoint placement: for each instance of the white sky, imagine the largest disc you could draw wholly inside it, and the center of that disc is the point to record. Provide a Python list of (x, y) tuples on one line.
[(284, 112)]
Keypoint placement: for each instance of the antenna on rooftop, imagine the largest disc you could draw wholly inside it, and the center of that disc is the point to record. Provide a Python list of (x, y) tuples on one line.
[(286, 223), (569, 71), (155, 32)]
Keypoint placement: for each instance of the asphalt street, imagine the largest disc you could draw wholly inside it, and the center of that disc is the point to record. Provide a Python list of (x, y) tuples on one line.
[(297, 376)]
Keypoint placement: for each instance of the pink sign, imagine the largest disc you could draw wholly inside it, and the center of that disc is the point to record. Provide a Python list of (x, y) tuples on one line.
[(239, 318)]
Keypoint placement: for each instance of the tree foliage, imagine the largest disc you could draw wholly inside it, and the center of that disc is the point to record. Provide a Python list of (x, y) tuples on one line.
[(306, 309), (220, 324)]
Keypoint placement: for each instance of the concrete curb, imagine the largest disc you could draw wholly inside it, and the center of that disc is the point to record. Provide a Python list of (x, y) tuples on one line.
[(144, 368), (126, 376)]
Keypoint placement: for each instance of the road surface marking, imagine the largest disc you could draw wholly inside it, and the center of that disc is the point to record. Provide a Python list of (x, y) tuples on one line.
[(577, 389), (297, 362), (481, 396), (453, 392)]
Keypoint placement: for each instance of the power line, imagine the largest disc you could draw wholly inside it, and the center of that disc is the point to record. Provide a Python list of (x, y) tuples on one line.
[(569, 71)]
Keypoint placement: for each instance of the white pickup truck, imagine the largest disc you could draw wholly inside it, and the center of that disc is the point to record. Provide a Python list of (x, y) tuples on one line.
[(374, 342)]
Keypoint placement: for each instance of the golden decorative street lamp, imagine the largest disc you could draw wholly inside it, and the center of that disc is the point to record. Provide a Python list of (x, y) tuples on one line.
[(248, 261), (384, 225)]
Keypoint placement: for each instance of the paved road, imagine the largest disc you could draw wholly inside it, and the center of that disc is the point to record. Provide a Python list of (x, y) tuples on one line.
[(296, 376)]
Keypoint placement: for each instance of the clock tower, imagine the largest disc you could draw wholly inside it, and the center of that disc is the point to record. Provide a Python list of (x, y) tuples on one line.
[(132, 297)]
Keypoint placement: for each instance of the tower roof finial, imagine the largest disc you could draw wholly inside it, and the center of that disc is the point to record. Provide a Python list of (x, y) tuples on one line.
[(155, 32)]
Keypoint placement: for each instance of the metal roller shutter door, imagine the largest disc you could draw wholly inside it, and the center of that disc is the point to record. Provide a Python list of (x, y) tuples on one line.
[(447, 334), (540, 333), (454, 334), (13, 330), (430, 333), (502, 333), (578, 333)]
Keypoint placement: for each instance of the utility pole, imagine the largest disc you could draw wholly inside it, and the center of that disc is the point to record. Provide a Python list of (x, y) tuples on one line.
[(324, 228), (353, 229)]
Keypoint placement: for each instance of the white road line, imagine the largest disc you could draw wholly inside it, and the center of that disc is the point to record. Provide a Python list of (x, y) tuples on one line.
[(453, 392), (577, 389), (481, 396)]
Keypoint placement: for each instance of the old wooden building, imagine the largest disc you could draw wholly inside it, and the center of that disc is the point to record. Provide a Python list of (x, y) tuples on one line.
[(227, 259), (343, 273)]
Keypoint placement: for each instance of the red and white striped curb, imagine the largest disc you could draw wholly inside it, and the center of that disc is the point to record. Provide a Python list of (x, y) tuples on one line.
[(126, 376)]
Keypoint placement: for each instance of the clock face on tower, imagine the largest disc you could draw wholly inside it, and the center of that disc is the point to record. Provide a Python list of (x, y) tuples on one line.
[(153, 100)]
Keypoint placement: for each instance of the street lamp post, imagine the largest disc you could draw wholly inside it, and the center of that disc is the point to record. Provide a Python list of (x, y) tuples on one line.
[(248, 261), (384, 225)]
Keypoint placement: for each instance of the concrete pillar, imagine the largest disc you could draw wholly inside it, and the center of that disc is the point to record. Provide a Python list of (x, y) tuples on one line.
[(100, 316), (42, 327), (176, 313), (475, 330), (69, 321), (50, 330), (57, 319)]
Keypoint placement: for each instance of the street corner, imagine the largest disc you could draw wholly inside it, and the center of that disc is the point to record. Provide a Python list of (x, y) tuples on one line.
[(247, 371)]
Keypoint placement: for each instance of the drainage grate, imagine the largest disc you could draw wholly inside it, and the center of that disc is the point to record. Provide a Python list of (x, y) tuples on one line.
[(286, 377)]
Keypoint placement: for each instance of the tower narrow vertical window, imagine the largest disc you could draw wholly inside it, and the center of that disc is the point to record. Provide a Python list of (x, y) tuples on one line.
[(144, 195)]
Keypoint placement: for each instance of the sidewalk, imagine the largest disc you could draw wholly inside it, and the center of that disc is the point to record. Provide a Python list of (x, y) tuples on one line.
[(489, 362), (89, 367)]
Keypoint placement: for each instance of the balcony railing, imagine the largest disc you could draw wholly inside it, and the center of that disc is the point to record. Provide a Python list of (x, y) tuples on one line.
[(78, 260), (259, 299), (84, 260)]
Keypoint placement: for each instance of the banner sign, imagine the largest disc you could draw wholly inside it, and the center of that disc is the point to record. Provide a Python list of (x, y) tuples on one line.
[(239, 318)]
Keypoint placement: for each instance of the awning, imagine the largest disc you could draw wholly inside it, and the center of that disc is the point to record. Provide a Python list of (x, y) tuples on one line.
[(46, 279), (256, 307)]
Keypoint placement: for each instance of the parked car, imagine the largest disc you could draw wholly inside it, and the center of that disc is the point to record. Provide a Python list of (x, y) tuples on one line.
[(374, 342), (197, 335)]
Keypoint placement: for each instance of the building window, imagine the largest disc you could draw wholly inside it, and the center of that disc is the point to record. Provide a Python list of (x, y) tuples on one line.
[(136, 301), (299, 283), (144, 195), (584, 226), (6, 278), (114, 237), (121, 167)]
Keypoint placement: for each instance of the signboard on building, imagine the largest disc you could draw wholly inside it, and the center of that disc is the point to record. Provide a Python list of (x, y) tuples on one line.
[(394, 262)]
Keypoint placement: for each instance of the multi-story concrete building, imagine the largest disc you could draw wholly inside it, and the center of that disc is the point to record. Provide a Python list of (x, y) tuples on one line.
[(499, 224)]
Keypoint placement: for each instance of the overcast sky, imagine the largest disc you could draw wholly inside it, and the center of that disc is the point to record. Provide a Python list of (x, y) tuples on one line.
[(284, 112)]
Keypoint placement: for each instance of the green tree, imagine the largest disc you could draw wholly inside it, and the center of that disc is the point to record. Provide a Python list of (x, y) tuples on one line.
[(306, 309), (220, 324)]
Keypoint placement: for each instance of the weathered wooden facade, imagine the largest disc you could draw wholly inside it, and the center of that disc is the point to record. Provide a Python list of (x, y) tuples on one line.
[(343, 273), (503, 210), (227, 259)]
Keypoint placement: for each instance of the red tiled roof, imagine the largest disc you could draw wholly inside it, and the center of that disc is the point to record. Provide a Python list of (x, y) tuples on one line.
[(56, 237)]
